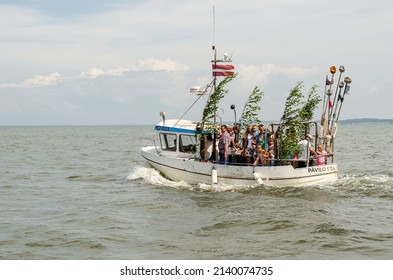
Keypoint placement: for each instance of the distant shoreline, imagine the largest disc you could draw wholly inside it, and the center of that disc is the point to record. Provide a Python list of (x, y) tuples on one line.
[(366, 120), (346, 121)]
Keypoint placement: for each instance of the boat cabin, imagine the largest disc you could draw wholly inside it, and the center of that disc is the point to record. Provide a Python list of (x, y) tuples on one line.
[(177, 138)]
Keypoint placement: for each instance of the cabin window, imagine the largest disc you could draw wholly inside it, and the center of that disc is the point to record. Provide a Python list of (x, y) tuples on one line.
[(187, 143), (168, 141)]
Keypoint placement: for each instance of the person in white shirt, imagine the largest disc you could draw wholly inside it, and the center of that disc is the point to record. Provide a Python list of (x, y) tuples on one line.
[(305, 149)]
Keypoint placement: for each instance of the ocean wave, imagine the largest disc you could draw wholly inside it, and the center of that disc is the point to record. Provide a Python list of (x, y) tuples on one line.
[(378, 184)]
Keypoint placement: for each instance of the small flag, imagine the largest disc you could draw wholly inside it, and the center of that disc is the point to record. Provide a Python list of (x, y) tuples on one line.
[(330, 104), (340, 98), (223, 70)]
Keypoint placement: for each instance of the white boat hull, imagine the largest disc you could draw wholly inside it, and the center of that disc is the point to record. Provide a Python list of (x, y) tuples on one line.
[(196, 172)]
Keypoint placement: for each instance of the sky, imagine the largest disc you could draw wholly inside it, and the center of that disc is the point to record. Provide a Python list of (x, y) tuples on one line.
[(118, 62)]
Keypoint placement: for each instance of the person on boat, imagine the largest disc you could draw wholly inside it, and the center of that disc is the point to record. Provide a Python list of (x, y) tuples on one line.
[(261, 137), (328, 140), (174, 145), (232, 145), (248, 144), (261, 156), (223, 145), (321, 155), (235, 135), (305, 150), (208, 148), (255, 130)]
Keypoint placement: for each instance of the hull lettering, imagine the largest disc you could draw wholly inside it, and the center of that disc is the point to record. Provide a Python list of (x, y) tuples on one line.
[(321, 169)]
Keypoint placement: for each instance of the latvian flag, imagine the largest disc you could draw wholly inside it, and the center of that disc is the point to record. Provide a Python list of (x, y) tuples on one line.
[(222, 70)]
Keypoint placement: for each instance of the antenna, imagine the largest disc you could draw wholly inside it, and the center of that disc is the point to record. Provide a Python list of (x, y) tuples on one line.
[(230, 58), (214, 27)]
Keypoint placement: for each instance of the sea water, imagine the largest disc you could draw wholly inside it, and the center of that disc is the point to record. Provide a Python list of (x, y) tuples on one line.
[(85, 192)]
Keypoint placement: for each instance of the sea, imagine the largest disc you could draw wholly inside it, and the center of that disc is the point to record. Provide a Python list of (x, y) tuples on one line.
[(85, 193)]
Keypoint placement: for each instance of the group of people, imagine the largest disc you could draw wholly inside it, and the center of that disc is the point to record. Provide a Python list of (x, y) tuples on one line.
[(257, 147), (254, 146)]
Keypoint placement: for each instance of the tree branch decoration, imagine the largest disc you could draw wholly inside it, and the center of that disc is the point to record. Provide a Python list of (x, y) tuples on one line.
[(251, 108), (306, 113), (212, 104), (296, 113), (288, 133)]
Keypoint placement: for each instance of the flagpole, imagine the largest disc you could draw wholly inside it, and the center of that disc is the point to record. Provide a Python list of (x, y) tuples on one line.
[(324, 127), (341, 69), (214, 85), (340, 85), (324, 101), (332, 71), (329, 92), (347, 81)]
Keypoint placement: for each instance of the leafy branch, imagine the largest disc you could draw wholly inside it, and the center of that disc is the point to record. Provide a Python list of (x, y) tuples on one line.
[(251, 108), (306, 113), (296, 113), (288, 135), (212, 103)]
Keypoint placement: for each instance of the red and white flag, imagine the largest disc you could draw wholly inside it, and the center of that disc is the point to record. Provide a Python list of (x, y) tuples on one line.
[(223, 70)]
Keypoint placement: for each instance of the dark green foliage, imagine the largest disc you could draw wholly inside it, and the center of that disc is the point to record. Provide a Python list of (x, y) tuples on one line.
[(251, 108), (296, 112), (306, 113), (212, 104), (288, 135)]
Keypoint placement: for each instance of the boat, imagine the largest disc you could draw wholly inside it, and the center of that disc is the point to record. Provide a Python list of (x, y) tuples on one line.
[(180, 150)]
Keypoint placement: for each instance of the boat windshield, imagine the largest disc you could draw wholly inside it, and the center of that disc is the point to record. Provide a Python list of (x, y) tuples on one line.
[(168, 141)]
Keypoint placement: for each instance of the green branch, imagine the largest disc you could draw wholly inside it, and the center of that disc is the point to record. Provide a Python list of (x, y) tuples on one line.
[(211, 106), (296, 112), (251, 108)]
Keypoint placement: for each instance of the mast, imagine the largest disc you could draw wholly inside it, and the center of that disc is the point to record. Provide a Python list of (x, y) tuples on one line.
[(214, 152), (218, 69)]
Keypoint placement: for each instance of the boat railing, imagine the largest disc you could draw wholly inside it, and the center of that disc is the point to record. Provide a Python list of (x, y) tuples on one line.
[(276, 132), (310, 161), (149, 140), (278, 129)]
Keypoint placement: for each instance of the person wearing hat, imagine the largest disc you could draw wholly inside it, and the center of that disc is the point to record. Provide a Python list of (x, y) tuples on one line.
[(304, 150)]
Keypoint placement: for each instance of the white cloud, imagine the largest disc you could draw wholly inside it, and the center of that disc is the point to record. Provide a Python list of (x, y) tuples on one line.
[(37, 81), (160, 65), (93, 73), (150, 64)]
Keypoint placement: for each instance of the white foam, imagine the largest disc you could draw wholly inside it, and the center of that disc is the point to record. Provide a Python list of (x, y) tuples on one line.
[(153, 177), (224, 187)]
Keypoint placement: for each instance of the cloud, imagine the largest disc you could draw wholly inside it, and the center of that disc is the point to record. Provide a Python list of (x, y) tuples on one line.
[(160, 65), (150, 64), (92, 73), (37, 81)]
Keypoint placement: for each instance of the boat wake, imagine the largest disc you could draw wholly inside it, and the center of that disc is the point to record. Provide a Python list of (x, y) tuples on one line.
[(376, 184), (150, 176), (370, 185)]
